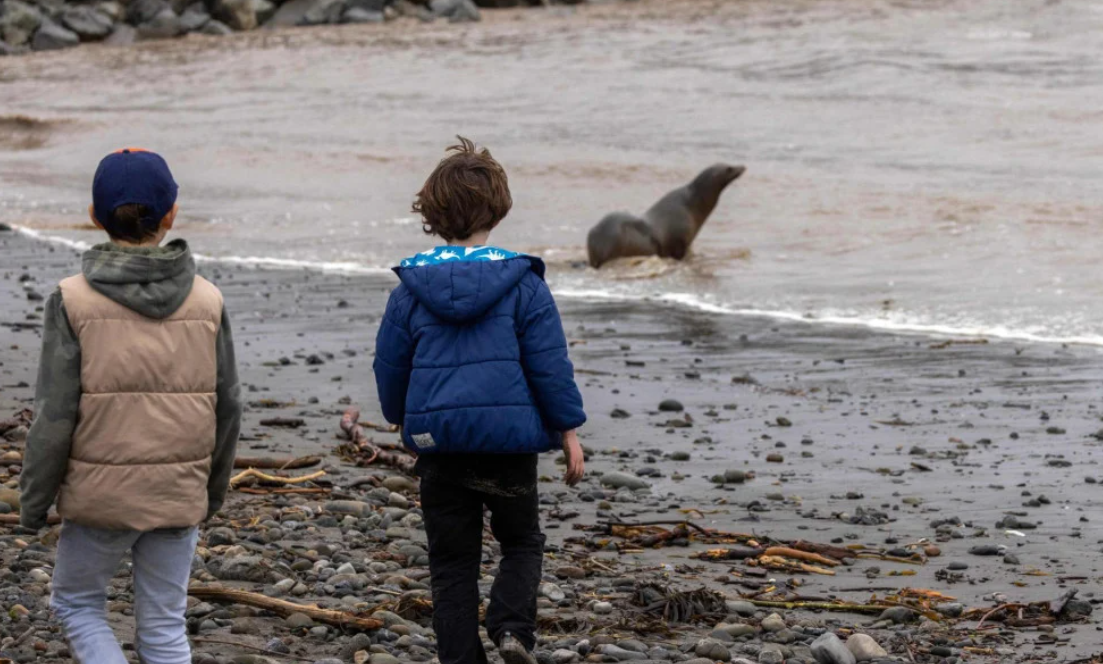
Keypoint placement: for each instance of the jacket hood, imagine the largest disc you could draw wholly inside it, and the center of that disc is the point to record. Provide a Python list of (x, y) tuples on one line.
[(153, 281), (461, 287)]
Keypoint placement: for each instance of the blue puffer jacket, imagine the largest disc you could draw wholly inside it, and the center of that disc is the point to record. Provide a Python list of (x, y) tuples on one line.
[(471, 356)]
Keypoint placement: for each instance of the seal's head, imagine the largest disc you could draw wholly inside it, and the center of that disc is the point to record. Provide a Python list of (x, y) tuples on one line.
[(721, 175), (708, 185)]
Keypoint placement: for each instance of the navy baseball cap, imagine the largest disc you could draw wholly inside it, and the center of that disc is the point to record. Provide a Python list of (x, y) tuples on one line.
[(133, 176)]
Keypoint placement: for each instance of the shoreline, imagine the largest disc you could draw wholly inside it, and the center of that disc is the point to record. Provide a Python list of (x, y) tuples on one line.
[(685, 301), (878, 436)]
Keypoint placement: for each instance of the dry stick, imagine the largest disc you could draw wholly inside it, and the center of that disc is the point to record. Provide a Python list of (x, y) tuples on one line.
[(196, 639), (22, 637), (821, 606), (274, 479), (288, 490), (283, 608), (993, 611), (872, 555), (641, 524), (785, 565), (786, 552), (13, 519), (271, 463)]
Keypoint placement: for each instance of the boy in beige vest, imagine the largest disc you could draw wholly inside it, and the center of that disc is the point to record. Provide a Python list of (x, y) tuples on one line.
[(138, 409)]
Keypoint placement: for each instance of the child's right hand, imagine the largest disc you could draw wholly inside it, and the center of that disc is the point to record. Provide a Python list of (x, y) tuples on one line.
[(576, 463)]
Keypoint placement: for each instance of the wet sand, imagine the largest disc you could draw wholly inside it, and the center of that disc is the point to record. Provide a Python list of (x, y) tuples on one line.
[(919, 429)]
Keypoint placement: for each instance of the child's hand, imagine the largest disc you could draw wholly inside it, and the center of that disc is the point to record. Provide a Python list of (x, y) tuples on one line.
[(576, 464)]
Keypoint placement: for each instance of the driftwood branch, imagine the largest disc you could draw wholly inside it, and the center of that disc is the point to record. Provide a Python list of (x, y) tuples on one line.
[(786, 552), (284, 422), (272, 463), (819, 606), (287, 490), (283, 608), (777, 562), (274, 479), (13, 519), (644, 524)]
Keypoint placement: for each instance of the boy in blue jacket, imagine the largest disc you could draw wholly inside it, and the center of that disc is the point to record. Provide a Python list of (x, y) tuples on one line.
[(472, 361)]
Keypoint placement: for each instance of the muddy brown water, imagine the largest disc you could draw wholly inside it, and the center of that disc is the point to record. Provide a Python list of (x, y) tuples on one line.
[(931, 166)]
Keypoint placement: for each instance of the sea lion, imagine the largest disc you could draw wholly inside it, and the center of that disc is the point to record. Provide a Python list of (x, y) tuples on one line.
[(619, 235), (669, 227)]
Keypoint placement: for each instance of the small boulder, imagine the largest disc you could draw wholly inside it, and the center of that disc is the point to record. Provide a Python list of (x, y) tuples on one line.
[(734, 476), (620, 654), (51, 37), (357, 15), (144, 11), (124, 34), (18, 22), (828, 649), (88, 23), (602, 608), (864, 648), (323, 12), (237, 14), (10, 496), (773, 623), (377, 6), (164, 25), (194, 17), (112, 10), (899, 615), (289, 14), (299, 621), (455, 11), (713, 650), (215, 28), (618, 480), (264, 10)]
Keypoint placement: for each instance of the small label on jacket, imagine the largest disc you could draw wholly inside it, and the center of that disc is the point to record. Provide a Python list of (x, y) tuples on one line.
[(424, 441)]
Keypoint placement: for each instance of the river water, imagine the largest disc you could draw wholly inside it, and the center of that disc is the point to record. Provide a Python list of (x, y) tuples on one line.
[(924, 165)]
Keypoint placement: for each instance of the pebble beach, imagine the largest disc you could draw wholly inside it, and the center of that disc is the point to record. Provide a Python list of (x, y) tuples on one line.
[(757, 491)]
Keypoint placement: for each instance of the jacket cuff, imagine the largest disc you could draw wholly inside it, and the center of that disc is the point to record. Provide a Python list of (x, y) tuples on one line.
[(32, 521)]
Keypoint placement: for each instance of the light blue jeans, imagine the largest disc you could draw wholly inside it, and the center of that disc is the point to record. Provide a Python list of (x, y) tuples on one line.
[(87, 559)]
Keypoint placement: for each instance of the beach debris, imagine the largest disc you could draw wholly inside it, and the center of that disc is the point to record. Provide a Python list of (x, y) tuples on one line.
[(284, 422), (341, 619), (23, 418), (265, 478), (364, 452), (676, 606), (274, 463)]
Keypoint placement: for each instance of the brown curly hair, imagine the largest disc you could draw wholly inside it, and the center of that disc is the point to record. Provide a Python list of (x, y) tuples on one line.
[(467, 193)]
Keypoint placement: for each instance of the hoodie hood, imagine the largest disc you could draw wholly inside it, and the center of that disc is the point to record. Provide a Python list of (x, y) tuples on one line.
[(153, 281), (460, 285)]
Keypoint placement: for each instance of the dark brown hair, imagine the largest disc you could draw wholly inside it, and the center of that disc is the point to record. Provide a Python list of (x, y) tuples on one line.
[(467, 193), (133, 222)]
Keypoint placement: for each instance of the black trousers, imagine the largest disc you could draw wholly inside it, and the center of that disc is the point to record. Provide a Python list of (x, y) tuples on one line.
[(454, 525)]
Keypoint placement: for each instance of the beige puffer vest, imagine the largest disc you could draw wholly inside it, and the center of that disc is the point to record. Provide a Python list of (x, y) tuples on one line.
[(141, 452)]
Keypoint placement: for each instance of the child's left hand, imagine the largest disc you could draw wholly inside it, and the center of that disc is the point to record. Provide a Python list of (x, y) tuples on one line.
[(576, 463)]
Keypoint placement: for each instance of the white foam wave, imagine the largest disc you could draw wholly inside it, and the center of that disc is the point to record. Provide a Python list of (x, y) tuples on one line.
[(336, 267), (898, 324)]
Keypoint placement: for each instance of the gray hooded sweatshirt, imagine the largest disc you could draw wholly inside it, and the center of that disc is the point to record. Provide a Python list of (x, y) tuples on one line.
[(155, 282)]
